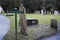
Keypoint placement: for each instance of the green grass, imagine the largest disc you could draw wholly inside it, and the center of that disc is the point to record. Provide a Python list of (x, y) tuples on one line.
[(43, 19)]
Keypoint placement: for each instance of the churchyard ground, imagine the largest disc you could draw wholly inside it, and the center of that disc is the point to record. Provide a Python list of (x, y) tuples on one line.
[(34, 31)]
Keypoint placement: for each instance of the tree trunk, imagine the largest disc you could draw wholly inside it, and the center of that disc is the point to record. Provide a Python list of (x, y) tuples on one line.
[(23, 24)]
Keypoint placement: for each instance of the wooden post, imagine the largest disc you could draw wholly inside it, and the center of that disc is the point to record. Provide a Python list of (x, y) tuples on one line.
[(23, 23)]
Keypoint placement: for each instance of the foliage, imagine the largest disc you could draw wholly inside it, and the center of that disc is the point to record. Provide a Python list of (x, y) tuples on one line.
[(9, 4), (30, 5)]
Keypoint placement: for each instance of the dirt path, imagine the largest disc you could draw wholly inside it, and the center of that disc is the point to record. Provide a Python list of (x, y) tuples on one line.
[(55, 36)]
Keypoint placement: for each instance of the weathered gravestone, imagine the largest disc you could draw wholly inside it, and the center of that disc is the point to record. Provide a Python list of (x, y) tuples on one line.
[(56, 12), (37, 12), (52, 11), (58, 28), (32, 21), (54, 23), (1, 9), (42, 12)]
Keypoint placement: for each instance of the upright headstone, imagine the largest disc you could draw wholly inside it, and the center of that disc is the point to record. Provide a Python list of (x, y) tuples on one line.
[(42, 12), (1, 9), (58, 28), (54, 23), (56, 12), (52, 11)]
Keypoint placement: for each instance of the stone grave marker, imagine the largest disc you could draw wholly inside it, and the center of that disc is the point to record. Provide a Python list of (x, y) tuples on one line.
[(56, 12), (42, 12), (32, 21), (1, 9), (37, 12), (54, 23), (58, 28)]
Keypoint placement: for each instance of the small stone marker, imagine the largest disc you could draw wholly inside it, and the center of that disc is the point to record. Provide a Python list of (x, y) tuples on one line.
[(52, 11), (56, 12), (42, 12), (1, 10), (37, 12), (54, 23)]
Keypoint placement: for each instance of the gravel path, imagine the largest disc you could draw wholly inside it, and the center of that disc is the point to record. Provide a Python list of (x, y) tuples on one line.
[(4, 26), (55, 36)]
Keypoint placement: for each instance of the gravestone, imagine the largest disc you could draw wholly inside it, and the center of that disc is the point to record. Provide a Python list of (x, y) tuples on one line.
[(56, 12), (42, 12), (48, 12), (54, 23), (58, 28), (52, 11), (1, 9), (32, 21), (37, 12)]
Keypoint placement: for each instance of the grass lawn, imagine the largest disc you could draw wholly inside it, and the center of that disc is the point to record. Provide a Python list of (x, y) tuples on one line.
[(32, 31)]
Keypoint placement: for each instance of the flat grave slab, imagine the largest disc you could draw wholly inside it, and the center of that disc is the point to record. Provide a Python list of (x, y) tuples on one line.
[(32, 21)]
